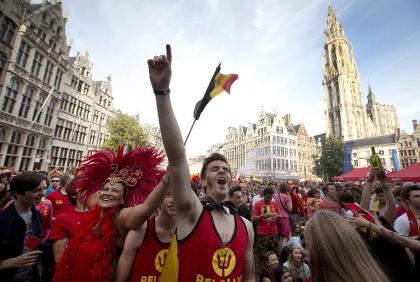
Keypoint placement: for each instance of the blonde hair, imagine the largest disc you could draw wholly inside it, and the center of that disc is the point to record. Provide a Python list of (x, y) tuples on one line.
[(336, 251), (294, 272)]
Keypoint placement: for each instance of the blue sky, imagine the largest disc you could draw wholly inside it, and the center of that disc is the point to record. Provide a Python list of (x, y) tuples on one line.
[(274, 46)]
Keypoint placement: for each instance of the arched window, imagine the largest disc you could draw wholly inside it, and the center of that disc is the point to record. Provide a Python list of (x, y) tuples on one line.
[(10, 98), (26, 102)]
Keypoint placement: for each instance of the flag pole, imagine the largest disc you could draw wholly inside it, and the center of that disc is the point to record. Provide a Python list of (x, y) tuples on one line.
[(189, 132), (201, 101)]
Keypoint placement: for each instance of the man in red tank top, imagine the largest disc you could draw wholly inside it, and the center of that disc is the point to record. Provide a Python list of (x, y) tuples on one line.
[(214, 244), (145, 249)]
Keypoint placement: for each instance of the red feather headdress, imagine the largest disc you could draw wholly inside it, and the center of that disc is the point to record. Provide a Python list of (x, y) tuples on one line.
[(138, 169)]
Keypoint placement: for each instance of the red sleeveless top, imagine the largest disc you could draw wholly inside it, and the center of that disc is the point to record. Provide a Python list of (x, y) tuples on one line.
[(203, 256), (150, 257)]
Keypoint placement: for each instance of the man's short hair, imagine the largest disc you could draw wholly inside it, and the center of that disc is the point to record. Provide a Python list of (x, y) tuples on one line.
[(268, 191), (209, 159), (405, 191), (26, 181), (234, 189)]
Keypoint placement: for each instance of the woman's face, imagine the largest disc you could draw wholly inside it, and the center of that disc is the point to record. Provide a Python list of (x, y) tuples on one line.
[(111, 196), (272, 261), (316, 196), (286, 277), (297, 255)]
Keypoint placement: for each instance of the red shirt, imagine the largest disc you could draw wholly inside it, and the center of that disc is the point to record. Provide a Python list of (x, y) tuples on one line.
[(297, 204), (204, 257), (150, 257), (266, 226), (64, 224), (60, 202)]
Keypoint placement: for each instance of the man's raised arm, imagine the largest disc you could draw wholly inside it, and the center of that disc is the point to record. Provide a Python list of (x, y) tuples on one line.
[(186, 201)]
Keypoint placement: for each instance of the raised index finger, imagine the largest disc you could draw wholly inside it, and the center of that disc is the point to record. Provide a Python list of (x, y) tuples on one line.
[(168, 52)]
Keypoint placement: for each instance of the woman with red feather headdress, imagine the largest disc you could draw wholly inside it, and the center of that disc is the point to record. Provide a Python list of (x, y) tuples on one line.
[(126, 198)]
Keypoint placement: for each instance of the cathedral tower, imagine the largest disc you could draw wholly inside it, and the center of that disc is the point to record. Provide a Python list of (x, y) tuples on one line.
[(345, 113)]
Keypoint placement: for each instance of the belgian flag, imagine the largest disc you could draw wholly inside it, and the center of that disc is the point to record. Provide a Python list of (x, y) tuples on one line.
[(218, 83)]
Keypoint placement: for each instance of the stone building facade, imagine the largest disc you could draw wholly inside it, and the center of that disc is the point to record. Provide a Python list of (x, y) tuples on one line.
[(85, 108), (409, 146), (266, 149), (307, 147), (36, 74), (346, 115)]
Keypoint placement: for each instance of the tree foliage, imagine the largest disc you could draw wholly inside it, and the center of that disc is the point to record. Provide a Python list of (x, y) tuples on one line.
[(125, 128), (329, 162)]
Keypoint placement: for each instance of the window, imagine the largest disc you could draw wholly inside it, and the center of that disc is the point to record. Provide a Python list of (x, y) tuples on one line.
[(74, 81), (3, 61), (82, 134), (2, 137), (50, 112), (58, 78), (96, 116), (356, 163), (59, 128), (86, 89), (72, 155), (64, 102), (54, 155), (38, 103), (78, 158), (23, 54), (63, 156), (48, 72), (86, 112), (79, 110), (10, 97), (13, 148), (92, 137), (7, 30), (36, 64), (381, 152), (26, 103), (27, 152), (67, 130), (72, 106)]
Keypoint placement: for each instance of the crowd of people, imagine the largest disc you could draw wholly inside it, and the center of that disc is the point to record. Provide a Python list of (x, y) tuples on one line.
[(120, 217)]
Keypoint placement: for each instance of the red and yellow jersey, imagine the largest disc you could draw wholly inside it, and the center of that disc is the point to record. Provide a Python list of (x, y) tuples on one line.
[(150, 257), (204, 257)]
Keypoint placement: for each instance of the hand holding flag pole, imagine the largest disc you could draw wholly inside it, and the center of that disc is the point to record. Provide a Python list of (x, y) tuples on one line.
[(218, 83)]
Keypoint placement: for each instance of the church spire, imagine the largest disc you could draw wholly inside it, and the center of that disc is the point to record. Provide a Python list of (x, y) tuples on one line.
[(371, 97)]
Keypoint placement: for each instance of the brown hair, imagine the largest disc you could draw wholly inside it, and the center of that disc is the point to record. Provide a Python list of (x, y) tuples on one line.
[(336, 251), (209, 159)]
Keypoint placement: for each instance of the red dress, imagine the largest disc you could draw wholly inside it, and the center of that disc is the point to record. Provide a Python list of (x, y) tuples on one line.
[(204, 257), (90, 255)]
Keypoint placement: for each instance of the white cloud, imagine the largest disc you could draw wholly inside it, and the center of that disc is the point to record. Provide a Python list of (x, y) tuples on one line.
[(274, 46)]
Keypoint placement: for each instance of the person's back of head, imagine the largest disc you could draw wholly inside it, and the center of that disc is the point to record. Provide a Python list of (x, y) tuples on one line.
[(336, 251), (283, 188)]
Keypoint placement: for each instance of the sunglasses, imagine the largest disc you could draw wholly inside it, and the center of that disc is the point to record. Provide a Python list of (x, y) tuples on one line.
[(55, 180)]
